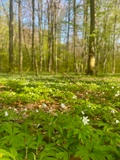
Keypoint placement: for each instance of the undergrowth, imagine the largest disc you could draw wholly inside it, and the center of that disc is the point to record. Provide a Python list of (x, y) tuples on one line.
[(59, 117)]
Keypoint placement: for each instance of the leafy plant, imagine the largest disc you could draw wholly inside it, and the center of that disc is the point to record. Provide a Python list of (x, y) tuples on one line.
[(55, 119)]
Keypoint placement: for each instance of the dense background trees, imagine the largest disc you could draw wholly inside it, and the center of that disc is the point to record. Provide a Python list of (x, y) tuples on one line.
[(60, 35)]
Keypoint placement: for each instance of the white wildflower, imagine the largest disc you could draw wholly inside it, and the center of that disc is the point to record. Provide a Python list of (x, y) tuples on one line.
[(117, 121), (112, 111), (74, 97), (15, 110), (6, 114), (25, 109), (82, 112), (37, 110), (85, 120), (44, 105), (112, 87), (117, 94), (63, 106)]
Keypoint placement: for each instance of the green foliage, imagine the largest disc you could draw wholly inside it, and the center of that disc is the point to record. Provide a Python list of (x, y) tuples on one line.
[(77, 118)]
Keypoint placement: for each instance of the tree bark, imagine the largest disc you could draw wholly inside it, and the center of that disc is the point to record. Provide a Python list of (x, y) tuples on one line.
[(85, 37), (49, 36), (68, 36), (20, 35), (11, 56), (91, 56), (55, 36), (114, 39), (74, 35), (33, 34), (34, 58), (40, 32)]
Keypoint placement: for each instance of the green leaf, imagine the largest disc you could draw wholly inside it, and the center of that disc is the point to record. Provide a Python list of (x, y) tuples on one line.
[(62, 155), (13, 152), (82, 152), (6, 153)]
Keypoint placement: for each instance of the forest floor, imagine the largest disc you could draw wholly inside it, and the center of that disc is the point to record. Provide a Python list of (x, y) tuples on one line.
[(33, 92), (59, 107)]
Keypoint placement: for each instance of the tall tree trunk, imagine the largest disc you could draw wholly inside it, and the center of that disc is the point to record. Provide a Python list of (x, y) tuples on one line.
[(34, 59), (49, 36), (33, 34), (52, 36), (11, 56), (68, 36), (74, 35), (52, 33), (41, 38), (20, 35), (55, 36), (114, 36), (85, 38), (91, 56), (105, 42)]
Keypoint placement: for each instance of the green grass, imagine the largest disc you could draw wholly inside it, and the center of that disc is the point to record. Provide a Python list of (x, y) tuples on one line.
[(56, 117)]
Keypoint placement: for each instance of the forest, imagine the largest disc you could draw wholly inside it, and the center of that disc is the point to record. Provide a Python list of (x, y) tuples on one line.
[(60, 36), (59, 80)]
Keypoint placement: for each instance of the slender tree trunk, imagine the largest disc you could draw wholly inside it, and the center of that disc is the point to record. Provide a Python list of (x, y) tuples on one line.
[(49, 36), (68, 37), (41, 38), (11, 56), (85, 38), (20, 35), (44, 63), (74, 35), (114, 36), (33, 34), (91, 56), (105, 20), (34, 58), (55, 36), (52, 34)]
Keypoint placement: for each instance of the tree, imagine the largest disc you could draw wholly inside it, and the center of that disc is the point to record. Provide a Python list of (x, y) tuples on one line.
[(11, 57), (33, 34), (74, 35), (20, 35), (114, 36), (68, 34), (91, 56), (49, 3), (40, 32), (34, 60), (85, 36), (52, 35)]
